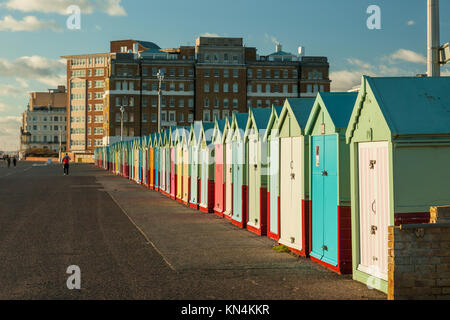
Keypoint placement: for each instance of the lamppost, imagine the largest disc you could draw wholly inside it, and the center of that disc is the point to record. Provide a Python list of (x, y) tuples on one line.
[(160, 76), (122, 109)]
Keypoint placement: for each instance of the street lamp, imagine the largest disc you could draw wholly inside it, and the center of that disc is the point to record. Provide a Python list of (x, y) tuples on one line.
[(160, 76), (122, 109)]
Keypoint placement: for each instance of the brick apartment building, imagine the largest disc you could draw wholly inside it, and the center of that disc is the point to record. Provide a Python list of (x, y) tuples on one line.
[(211, 79)]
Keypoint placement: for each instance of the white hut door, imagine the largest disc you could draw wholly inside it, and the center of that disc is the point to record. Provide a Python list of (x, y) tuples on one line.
[(253, 218), (374, 208), (296, 193), (228, 178), (285, 190), (204, 177)]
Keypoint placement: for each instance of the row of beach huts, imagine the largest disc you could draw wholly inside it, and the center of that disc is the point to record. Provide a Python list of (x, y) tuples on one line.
[(323, 176)]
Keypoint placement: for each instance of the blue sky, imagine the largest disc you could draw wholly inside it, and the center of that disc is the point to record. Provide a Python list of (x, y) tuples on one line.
[(33, 34)]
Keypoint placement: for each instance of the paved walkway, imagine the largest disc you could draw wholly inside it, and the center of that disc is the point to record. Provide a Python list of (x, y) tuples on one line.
[(134, 243)]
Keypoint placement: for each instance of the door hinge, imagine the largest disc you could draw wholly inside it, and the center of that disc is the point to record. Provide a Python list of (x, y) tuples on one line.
[(325, 248)]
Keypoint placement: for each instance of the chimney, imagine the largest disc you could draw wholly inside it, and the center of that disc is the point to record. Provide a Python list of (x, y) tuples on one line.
[(278, 47), (433, 39), (301, 51)]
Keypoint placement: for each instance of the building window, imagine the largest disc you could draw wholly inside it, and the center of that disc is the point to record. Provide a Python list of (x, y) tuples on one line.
[(259, 103), (277, 74), (172, 86), (259, 73), (249, 88), (249, 103), (181, 86), (144, 102), (181, 72), (276, 88), (225, 87), (225, 103), (225, 57), (259, 88), (172, 116), (154, 72), (285, 88), (191, 103), (190, 117), (172, 72), (294, 74), (267, 73), (216, 103), (235, 103), (216, 73), (206, 73), (226, 73), (216, 115), (267, 88), (206, 115), (131, 117), (154, 102), (180, 117), (154, 116), (249, 73), (206, 102), (285, 74), (206, 87), (225, 114), (235, 87), (235, 73), (172, 102), (163, 116), (309, 88), (321, 88), (181, 103), (144, 117), (216, 87), (267, 103), (294, 88)]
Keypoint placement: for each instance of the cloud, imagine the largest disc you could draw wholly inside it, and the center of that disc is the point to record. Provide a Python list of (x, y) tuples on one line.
[(47, 71), (408, 56), (411, 23), (110, 7), (11, 90), (343, 80), (271, 38), (9, 133), (28, 23)]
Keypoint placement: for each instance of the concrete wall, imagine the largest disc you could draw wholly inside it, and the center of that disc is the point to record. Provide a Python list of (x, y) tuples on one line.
[(419, 258)]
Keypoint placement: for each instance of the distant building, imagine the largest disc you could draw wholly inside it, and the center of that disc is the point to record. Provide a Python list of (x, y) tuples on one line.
[(44, 121), (209, 80)]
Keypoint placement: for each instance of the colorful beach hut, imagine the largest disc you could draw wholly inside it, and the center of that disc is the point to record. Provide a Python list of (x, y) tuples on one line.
[(271, 137), (399, 136), (186, 165), (219, 168), (227, 140), (329, 181), (294, 196), (239, 164), (194, 166), (257, 162), (206, 149)]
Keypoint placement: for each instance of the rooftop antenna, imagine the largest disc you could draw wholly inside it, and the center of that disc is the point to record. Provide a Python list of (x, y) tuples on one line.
[(433, 41)]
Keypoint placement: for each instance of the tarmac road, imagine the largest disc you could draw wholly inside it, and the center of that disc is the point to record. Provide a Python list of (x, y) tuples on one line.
[(133, 243)]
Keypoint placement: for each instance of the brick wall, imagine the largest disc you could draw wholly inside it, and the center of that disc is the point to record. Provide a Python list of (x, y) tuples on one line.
[(419, 258)]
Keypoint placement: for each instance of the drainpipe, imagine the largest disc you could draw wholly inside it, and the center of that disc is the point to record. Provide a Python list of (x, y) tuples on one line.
[(433, 39)]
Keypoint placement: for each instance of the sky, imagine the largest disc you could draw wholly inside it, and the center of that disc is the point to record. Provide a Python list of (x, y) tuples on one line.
[(34, 36)]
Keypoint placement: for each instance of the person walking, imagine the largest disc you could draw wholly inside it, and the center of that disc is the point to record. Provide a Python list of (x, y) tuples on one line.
[(8, 160), (65, 162), (14, 161)]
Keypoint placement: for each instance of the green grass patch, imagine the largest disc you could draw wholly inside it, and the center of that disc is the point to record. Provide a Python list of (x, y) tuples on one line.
[(281, 248)]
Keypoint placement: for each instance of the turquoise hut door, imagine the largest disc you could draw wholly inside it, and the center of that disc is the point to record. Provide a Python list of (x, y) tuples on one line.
[(324, 198), (274, 185), (237, 181), (253, 188), (168, 157)]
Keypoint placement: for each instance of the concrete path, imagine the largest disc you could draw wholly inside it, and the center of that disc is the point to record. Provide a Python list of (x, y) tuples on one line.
[(134, 243)]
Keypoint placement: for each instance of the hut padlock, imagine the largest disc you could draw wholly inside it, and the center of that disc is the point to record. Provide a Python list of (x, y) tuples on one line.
[(372, 164), (292, 176), (325, 248), (231, 170), (374, 258), (373, 229), (255, 166), (325, 173)]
